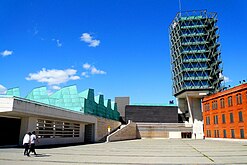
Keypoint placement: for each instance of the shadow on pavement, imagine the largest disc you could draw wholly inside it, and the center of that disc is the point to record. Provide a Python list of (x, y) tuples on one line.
[(42, 155)]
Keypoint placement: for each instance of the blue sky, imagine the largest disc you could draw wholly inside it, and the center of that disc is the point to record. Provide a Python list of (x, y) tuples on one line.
[(117, 47)]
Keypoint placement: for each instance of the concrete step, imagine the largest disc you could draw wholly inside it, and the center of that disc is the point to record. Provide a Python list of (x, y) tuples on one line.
[(163, 130)]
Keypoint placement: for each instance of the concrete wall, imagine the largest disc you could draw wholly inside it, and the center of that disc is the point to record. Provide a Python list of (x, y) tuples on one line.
[(163, 130), (102, 127), (152, 114), (182, 105), (38, 109), (151, 131), (175, 135), (6, 104), (128, 132), (121, 103), (194, 105), (28, 124)]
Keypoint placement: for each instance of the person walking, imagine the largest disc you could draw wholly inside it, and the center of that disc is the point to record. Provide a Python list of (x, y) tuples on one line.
[(26, 143), (33, 139)]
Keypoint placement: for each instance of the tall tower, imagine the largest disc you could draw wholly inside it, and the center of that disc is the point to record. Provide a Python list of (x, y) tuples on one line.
[(195, 62)]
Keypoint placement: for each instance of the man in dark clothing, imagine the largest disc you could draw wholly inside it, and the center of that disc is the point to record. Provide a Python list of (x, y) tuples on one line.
[(33, 139)]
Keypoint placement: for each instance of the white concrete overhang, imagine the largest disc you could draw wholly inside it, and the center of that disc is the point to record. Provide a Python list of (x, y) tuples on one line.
[(18, 107), (194, 94)]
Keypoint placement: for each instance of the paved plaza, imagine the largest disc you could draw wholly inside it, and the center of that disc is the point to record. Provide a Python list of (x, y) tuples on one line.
[(145, 151)]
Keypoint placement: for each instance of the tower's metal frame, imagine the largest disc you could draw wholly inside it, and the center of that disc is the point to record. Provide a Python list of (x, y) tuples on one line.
[(195, 52)]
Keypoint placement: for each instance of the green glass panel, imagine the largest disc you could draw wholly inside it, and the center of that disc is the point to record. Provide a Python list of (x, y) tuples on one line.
[(39, 94), (13, 92)]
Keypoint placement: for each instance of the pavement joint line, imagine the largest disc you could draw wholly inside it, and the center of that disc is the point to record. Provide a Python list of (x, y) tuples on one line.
[(201, 153), (99, 162), (76, 162), (102, 155)]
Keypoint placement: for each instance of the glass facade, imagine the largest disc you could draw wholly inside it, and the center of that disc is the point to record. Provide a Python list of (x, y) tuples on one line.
[(69, 98), (195, 54)]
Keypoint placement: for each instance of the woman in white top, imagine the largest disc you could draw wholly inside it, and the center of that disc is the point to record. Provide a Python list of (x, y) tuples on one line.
[(26, 143)]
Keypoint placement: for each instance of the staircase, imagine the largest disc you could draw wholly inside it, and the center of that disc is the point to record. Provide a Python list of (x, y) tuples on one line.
[(163, 130)]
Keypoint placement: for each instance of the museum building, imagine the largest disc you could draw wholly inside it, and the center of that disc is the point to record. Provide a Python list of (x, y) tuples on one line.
[(64, 117)]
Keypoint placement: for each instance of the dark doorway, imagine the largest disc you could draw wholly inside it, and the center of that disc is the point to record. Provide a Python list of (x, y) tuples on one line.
[(89, 133), (10, 131), (186, 135)]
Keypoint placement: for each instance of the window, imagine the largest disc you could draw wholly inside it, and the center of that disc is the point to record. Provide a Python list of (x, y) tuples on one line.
[(206, 106), (223, 118), (233, 133), (214, 105), (229, 101), (208, 120), (216, 133), (231, 118), (239, 99), (52, 128), (224, 133), (216, 119), (240, 116), (208, 133), (222, 103), (242, 133)]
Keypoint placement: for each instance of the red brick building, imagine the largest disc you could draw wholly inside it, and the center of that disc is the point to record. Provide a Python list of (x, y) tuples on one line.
[(225, 113)]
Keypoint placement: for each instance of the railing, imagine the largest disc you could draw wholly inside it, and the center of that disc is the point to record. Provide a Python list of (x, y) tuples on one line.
[(195, 43), (193, 26), (194, 51), (196, 78), (196, 60), (196, 69), (193, 34)]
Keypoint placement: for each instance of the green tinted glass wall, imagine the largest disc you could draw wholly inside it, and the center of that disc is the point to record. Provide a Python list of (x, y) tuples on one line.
[(69, 98), (13, 92), (101, 109), (39, 94), (195, 52)]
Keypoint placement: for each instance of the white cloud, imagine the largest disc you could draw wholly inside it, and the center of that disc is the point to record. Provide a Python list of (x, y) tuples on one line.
[(92, 69), (94, 43), (86, 66), (59, 44), (97, 71), (6, 53), (74, 78), (85, 74), (86, 37), (225, 79), (55, 87), (3, 90), (35, 31), (53, 76)]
